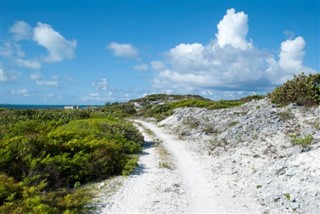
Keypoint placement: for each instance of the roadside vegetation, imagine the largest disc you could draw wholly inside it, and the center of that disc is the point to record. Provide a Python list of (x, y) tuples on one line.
[(302, 89), (48, 155)]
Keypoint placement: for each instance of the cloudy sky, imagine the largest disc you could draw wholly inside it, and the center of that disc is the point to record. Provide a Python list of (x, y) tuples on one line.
[(93, 52)]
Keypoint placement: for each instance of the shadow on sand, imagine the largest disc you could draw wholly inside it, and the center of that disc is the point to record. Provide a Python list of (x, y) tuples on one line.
[(140, 169)]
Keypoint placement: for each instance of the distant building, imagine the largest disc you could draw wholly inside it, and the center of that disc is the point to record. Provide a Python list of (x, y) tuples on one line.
[(137, 105), (71, 107)]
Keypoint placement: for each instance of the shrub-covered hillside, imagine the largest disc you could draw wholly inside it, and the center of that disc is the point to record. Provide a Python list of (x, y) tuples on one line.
[(46, 155), (161, 106)]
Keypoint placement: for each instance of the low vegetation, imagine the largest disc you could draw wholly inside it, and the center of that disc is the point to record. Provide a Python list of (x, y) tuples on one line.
[(303, 141), (302, 89), (163, 110), (47, 155), (161, 106)]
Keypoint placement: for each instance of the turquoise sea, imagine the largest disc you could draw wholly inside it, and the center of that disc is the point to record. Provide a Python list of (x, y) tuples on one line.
[(11, 106)]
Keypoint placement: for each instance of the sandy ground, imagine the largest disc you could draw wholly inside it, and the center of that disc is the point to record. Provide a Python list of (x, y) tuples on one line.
[(172, 178)]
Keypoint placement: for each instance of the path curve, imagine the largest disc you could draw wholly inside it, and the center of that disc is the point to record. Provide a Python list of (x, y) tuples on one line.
[(187, 186)]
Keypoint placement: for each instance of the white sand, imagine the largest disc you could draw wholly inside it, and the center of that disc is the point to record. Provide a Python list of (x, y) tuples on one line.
[(190, 186)]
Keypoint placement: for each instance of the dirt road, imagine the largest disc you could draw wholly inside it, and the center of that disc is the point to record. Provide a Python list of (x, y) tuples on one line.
[(170, 179)]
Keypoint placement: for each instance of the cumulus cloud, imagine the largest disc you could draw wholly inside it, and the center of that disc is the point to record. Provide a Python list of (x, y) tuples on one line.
[(290, 61), (141, 67), (195, 65), (40, 81), (21, 91), (123, 50), (229, 62), (101, 84), (21, 30), (292, 52), (7, 76), (233, 29), (58, 47)]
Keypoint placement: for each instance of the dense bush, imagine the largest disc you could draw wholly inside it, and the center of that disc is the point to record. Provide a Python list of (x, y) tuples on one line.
[(122, 109), (46, 154), (302, 90), (251, 97)]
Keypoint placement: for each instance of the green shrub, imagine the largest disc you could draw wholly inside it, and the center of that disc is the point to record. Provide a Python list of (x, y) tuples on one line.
[(251, 97), (46, 155), (121, 109), (302, 90)]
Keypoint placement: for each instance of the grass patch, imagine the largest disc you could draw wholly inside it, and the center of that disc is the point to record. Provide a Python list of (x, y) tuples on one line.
[(287, 196), (302, 141), (286, 115)]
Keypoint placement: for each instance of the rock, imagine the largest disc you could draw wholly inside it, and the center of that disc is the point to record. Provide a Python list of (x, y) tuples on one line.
[(290, 172)]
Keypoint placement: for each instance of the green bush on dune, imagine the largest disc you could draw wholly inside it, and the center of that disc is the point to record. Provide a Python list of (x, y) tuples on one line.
[(46, 155), (302, 90)]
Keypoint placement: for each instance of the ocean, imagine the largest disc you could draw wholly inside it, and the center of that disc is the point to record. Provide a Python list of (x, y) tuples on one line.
[(12, 106)]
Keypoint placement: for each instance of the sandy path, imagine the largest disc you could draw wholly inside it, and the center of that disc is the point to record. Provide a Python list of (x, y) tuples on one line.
[(200, 188), (152, 188), (188, 186)]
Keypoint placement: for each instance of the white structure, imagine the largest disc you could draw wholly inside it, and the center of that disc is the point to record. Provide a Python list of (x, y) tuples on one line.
[(71, 107)]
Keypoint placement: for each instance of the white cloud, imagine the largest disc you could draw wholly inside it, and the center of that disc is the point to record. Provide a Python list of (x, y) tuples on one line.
[(290, 61), (207, 93), (94, 97), (22, 92), (44, 35), (141, 67), (12, 51), (7, 76), (228, 64), (101, 84), (190, 56), (123, 50), (58, 47), (40, 81), (9, 49), (35, 76), (34, 64), (21, 30), (50, 95), (233, 29), (292, 53), (195, 65), (50, 83), (157, 65)]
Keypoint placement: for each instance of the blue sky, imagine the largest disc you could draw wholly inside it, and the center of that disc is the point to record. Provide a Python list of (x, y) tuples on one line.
[(93, 52)]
